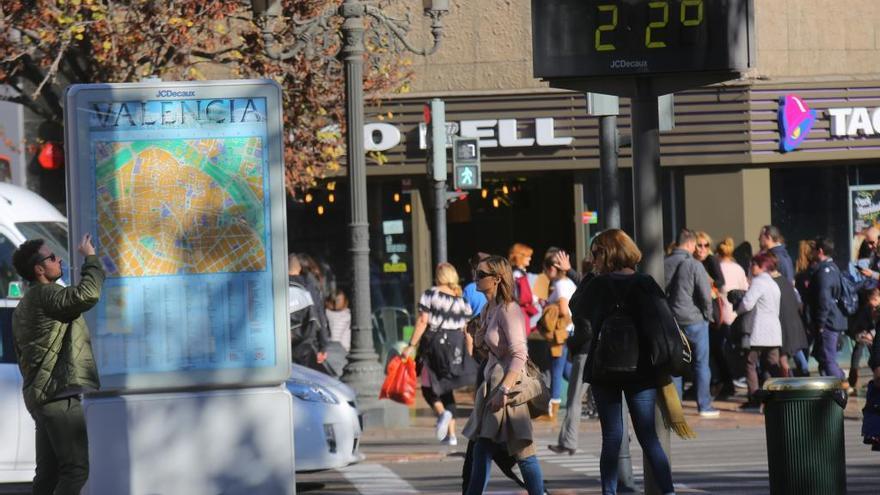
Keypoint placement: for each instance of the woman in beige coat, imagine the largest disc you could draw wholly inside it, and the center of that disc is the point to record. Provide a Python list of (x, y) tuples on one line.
[(494, 424)]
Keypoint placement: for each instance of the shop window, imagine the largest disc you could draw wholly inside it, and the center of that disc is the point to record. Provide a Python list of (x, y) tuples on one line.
[(801, 214)]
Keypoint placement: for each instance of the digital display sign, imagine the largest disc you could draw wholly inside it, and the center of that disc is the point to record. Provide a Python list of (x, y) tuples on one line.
[(595, 38)]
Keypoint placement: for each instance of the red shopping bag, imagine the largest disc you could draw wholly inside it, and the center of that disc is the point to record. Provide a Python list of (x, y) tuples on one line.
[(400, 382)]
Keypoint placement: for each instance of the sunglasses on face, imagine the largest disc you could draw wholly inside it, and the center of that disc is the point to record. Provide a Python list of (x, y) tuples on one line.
[(703, 245), (51, 258), (481, 274)]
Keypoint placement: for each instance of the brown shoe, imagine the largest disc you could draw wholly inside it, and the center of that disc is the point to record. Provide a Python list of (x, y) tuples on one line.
[(554, 409)]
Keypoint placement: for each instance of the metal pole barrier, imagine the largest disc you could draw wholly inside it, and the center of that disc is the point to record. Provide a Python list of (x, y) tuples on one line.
[(648, 211)]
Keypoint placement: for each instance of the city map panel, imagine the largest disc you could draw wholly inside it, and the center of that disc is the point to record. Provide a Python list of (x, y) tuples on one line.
[(180, 206)]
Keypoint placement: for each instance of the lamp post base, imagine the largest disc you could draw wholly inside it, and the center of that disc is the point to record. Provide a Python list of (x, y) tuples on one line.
[(384, 414)]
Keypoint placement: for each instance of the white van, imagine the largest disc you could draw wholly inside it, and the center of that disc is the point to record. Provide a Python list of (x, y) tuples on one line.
[(23, 215)]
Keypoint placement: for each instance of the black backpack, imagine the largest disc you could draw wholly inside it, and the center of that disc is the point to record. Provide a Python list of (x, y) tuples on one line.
[(616, 355), (848, 300)]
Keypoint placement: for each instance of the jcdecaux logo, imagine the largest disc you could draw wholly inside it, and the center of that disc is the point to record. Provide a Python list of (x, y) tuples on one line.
[(166, 93), (796, 120)]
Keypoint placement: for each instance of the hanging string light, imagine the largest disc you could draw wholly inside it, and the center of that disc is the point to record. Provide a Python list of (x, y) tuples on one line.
[(308, 197), (396, 197), (504, 189), (495, 202), (484, 193), (407, 208), (331, 198), (320, 209)]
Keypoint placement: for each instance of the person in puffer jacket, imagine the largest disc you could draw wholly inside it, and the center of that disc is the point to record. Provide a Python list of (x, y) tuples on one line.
[(55, 358)]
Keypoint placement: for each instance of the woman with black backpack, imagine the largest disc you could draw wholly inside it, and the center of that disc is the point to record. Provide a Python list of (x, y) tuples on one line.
[(443, 315), (631, 349)]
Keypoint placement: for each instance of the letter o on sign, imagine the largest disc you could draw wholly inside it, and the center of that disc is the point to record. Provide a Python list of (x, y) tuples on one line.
[(379, 136)]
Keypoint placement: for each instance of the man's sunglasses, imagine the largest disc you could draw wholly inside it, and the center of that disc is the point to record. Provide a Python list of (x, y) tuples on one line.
[(37, 259), (481, 274)]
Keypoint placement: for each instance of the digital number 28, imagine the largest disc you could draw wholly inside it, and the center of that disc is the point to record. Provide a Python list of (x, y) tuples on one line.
[(690, 14)]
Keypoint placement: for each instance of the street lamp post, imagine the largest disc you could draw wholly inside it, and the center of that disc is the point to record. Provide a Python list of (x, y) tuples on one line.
[(363, 372)]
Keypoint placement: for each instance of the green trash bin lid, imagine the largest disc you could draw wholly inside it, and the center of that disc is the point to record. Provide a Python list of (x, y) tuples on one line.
[(806, 383)]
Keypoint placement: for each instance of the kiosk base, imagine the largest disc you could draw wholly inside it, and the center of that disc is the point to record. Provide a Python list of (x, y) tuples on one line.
[(233, 441)]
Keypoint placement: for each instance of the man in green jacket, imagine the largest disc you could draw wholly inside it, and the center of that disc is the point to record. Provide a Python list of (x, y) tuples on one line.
[(55, 358)]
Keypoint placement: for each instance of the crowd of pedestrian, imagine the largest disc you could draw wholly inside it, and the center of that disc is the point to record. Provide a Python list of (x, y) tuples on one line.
[(745, 317)]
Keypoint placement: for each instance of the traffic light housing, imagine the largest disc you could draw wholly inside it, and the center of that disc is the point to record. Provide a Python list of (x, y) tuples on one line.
[(466, 163)]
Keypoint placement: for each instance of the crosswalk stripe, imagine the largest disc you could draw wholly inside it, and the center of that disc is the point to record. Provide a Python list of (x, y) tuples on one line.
[(376, 479)]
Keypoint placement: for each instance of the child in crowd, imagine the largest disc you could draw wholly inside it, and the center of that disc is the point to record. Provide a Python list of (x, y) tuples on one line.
[(339, 319)]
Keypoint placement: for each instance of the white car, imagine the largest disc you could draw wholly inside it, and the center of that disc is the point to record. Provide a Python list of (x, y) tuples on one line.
[(327, 425)]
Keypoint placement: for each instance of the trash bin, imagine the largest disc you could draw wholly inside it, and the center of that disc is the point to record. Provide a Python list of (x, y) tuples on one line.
[(805, 444)]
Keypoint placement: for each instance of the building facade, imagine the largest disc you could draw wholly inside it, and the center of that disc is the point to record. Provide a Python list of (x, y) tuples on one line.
[(727, 166)]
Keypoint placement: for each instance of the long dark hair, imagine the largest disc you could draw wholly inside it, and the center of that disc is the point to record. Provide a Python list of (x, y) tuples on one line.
[(500, 267)]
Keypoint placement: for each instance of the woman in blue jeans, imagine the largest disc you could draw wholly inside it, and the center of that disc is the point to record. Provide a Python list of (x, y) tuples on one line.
[(494, 424), (562, 288), (617, 290)]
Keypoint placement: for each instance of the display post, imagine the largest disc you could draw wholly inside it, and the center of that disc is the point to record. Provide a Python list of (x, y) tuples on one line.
[(181, 186), (642, 49)]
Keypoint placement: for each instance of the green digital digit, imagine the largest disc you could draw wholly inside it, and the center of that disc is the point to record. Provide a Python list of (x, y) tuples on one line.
[(693, 21), (606, 47), (664, 6)]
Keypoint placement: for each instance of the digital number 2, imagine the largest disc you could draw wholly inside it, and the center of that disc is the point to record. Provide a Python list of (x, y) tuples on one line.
[(664, 6), (606, 47)]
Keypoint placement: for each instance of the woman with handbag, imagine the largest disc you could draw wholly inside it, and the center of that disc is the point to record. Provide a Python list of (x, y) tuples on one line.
[(630, 320), (441, 310), (500, 419)]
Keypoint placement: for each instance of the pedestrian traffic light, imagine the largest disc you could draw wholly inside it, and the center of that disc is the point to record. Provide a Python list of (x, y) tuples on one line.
[(466, 163)]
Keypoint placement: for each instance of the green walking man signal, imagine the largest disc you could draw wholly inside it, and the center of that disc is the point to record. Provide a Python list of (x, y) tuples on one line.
[(466, 163)]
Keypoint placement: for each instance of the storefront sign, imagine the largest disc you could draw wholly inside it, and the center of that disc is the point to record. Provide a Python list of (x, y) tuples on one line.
[(855, 121), (493, 133), (796, 120)]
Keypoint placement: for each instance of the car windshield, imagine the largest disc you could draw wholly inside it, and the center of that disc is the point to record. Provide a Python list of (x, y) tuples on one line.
[(55, 236)]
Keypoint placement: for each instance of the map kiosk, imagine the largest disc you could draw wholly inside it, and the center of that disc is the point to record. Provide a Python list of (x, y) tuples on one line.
[(182, 186)]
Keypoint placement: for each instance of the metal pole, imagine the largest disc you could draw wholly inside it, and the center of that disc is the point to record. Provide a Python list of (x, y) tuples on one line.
[(608, 151), (363, 372), (648, 211), (440, 220), (438, 173)]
